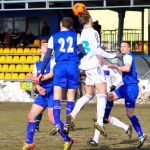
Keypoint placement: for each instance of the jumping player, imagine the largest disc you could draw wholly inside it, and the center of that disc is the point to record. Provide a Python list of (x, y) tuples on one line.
[(66, 72), (94, 74)]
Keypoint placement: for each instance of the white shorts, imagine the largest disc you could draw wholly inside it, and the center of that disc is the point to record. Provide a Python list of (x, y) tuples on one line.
[(94, 76)]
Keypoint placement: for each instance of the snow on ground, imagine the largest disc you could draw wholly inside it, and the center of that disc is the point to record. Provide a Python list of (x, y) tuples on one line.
[(12, 92)]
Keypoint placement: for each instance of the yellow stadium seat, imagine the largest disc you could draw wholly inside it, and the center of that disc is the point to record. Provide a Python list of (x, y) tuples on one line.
[(36, 58), (29, 59), (2, 58), (12, 67), (31, 67), (36, 42), (25, 68), (8, 58), (22, 58), (38, 51), (7, 76), (5, 67), (0, 67), (43, 41), (18, 67), (6, 51), (13, 50), (14, 76), (26, 50), (27, 85), (1, 50), (15, 59), (33, 50), (1, 75), (20, 50), (21, 75)]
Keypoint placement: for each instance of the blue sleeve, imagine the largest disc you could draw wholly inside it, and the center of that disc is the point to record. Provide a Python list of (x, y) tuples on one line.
[(46, 60), (82, 51)]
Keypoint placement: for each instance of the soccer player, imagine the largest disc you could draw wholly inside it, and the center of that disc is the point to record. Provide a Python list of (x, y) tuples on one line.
[(94, 74), (43, 100), (66, 72), (129, 90), (113, 80)]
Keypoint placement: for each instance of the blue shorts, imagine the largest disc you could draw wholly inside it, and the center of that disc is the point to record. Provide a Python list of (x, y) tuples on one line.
[(46, 100), (66, 75), (130, 93)]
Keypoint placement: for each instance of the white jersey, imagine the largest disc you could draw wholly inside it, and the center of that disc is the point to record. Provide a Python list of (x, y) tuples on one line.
[(112, 77), (91, 43)]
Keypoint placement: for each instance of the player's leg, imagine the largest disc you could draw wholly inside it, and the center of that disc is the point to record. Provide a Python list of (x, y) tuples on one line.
[(59, 81), (116, 122), (101, 105), (95, 140), (130, 102), (80, 104), (108, 109), (71, 93), (34, 112), (38, 121)]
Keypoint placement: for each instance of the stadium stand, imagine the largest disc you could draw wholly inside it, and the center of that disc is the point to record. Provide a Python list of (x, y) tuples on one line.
[(16, 63)]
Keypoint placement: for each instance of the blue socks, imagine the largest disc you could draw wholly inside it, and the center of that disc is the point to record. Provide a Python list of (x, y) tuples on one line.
[(56, 111), (69, 108), (109, 106), (30, 132), (136, 125), (65, 137)]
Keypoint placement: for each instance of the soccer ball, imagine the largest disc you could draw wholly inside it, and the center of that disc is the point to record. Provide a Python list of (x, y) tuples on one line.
[(78, 8)]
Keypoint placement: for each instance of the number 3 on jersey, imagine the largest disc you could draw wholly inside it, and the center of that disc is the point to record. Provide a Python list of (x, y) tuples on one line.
[(69, 41), (86, 46)]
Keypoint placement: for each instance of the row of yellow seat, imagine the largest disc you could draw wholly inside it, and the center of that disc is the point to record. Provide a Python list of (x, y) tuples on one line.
[(12, 75), (20, 50), (19, 58), (38, 42), (18, 67)]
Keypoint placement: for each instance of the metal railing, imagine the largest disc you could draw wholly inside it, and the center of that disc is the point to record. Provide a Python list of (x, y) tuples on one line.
[(67, 4)]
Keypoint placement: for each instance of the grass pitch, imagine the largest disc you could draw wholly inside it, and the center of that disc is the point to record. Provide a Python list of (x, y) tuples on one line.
[(13, 124)]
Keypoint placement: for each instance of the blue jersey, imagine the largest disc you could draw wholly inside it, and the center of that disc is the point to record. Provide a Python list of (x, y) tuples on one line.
[(64, 44), (38, 65), (131, 76)]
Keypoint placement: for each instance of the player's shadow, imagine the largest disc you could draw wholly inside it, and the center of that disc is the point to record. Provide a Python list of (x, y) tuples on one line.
[(87, 128), (110, 147)]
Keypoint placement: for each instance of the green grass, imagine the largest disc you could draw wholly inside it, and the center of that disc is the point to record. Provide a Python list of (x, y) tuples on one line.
[(13, 124)]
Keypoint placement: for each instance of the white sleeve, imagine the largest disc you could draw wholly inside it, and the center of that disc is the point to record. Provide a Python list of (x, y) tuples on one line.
[(127, 59), (118, 78), (51, 43), (34, 69), (101, 53), (52, 63), (78, 39)]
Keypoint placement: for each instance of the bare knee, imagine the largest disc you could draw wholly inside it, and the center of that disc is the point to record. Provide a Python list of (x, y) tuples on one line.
[(31, 117)]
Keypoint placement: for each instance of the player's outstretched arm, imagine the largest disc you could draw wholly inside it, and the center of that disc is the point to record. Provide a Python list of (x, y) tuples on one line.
[(101, 53)]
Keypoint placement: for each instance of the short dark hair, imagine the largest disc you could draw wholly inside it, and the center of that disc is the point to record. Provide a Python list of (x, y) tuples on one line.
[(67, 22), (126, 43)]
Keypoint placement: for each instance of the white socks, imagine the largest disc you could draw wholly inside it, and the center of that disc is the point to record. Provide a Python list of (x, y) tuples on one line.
[(79, 104), (96, 136), (101, 105), (116, 122)]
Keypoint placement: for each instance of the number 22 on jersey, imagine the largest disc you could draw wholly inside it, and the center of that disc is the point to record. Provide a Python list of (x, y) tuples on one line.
[(63, 42)]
